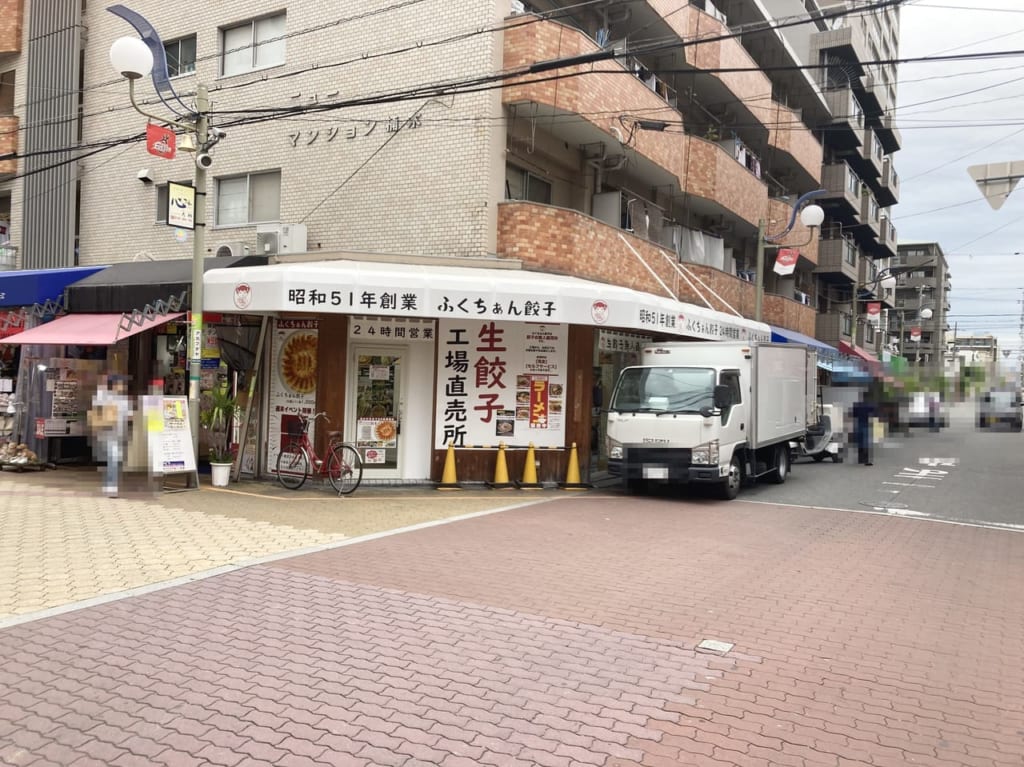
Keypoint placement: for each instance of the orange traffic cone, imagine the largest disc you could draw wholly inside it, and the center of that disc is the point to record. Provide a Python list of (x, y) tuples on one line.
[(448, 479), (529, 481), (572, 474), (500, 471)]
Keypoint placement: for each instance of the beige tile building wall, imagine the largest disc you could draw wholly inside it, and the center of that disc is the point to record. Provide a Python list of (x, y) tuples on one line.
[(430, 189)]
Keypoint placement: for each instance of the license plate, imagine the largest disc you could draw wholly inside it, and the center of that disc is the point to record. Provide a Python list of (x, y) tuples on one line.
[(655, 472)]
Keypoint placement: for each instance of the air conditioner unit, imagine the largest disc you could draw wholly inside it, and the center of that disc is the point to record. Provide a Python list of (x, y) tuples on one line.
[(231, 249), (280, 239)]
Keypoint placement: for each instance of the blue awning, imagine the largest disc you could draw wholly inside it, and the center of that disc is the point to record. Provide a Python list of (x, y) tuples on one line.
[(827, 355), (26, 287)]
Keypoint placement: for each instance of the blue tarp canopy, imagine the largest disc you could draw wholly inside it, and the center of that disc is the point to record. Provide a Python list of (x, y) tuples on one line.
[(26, 287), (827, 355)]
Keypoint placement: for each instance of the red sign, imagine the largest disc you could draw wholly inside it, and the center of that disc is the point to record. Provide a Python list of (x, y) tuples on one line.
[(160, 141), (538, 403), (785, 261), (915, 334), (874, 312)]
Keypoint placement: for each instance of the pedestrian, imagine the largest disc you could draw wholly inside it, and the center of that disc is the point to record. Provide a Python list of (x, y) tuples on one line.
[(863, 412), (109, 420)]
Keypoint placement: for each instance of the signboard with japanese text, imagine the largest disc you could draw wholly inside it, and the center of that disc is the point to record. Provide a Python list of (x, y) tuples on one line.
[(181, 205), (390, 329), (785, 261), (169, 433), (291, 384), (614, 341), (501, 382)]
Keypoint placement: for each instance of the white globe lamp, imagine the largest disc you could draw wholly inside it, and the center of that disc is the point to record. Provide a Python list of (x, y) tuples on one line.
[(131, 58), (926, 314), (812, 216)]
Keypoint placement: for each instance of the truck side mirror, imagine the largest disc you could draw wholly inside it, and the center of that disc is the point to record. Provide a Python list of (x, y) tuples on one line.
[(722, 397)]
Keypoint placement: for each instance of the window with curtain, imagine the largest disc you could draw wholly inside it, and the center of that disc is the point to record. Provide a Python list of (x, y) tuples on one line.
[(249, 199), (256, 44)]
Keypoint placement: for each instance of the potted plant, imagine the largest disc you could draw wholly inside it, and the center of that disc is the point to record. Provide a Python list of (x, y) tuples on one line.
[(216, 419)]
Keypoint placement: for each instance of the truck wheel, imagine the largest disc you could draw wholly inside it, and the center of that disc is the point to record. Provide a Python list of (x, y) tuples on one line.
[(781, 470), (731, 487)]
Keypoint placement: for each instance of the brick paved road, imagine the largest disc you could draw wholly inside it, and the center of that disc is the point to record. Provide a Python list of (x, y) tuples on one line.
[(560, 634)]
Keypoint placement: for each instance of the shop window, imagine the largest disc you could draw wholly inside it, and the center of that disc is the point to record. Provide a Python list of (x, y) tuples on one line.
[(249, 199), (256, 44), (181, 56)]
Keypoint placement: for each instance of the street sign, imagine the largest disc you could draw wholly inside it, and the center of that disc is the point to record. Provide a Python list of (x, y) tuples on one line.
[(996, 180), (785, 261), (874, 312), (160, 141)]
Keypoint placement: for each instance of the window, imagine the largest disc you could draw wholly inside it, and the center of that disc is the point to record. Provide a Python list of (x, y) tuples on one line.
[(731, 378), (523, 185), (253, 45), (161, 200), (249, 199), (7, 92), (850, 251), (181, 56), (846, 324)]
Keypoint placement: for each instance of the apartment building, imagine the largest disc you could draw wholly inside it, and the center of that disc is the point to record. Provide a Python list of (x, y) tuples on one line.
[(858, 237), (973, 351), (923, 282), (407, 197)]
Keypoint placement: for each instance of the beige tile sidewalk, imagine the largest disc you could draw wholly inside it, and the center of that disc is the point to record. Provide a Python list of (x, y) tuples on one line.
[(61, 542)]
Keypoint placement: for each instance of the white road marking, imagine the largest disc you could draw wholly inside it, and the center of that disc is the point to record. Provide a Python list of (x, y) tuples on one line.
[(920, 515), (906, 484)]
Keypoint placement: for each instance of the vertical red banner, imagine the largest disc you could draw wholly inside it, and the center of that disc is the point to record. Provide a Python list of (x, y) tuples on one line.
[(539, 402)]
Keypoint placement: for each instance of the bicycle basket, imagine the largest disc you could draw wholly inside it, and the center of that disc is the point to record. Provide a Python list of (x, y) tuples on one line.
[(296, 428)]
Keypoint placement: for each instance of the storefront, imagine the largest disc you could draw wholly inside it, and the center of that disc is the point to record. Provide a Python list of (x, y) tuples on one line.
[(411, 358), (28, 298)]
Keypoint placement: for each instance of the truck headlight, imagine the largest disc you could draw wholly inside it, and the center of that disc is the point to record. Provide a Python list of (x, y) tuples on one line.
[(705, 454), (614, 448)]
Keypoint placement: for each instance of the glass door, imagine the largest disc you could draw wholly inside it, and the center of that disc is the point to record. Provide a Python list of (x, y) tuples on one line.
[(376, 409)]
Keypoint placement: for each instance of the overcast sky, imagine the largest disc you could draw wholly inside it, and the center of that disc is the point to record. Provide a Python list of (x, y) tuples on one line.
[(973, 114)]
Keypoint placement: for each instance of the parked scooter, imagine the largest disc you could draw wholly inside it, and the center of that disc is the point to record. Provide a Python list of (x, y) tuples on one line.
[(824, 439)]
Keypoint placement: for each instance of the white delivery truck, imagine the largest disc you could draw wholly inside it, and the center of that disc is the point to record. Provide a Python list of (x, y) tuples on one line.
[(711, 412)]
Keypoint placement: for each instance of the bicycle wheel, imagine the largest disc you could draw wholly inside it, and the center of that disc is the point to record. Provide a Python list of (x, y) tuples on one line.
[(345, 469), (292, 466)]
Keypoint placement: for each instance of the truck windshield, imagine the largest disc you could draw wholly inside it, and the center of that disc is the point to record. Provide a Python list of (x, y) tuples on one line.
[(668, 389)]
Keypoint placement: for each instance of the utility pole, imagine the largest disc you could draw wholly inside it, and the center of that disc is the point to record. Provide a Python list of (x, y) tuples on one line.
[(1020, 345)]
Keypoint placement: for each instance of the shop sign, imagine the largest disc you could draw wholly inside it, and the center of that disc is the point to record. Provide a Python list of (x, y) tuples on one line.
[(181, 205), (160, 141), (291, 384), (417, 303), (390, 329), (501, 382), (874, 312), (785, 261), (612, 341)]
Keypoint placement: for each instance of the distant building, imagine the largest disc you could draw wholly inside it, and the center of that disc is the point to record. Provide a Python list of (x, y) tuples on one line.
[(922, 282), (974, 351)]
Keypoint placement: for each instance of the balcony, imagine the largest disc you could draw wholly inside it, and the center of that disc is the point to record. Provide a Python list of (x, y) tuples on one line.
[(797, 150), (12, 13), (889, 185), (786, 313), (833, 327), (590, 105), (846, 124), (887, 246), (888, 134), (872, 92), (872, 154), (8, 145), (837, 260), (843, 187), (719, 185), (562, 241), (870, 216), (846, 42)]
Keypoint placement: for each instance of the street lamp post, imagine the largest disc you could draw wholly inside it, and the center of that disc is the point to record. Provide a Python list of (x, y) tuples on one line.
[(811, 217), (132, 58)]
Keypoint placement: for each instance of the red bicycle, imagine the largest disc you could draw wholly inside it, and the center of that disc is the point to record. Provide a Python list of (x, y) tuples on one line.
[(342, 466)]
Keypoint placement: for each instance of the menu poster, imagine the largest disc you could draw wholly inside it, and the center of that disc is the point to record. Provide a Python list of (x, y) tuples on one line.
[(500, 381), (291, 385), (170, 437)]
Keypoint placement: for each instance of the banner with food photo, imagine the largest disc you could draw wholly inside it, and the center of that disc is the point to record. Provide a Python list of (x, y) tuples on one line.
[(504, 380), (291, 386)]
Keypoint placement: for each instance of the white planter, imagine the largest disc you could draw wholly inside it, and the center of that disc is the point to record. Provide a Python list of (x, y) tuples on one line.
[(220, 474)]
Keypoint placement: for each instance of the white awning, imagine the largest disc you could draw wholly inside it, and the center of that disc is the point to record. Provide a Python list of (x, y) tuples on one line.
[(412, 290)]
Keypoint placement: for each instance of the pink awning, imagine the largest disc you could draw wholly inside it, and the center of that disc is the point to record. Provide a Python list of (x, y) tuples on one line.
[(87, 329)]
